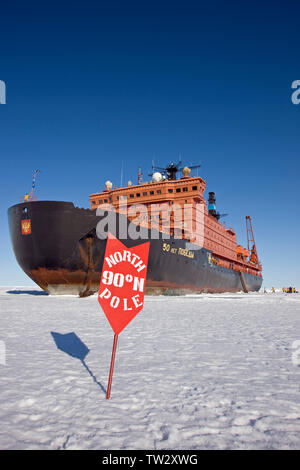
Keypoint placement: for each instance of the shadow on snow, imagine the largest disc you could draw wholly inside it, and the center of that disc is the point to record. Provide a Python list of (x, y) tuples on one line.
[(73, 346), (29, 292)]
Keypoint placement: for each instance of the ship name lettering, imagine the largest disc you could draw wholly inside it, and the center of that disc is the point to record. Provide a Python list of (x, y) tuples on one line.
[(179, 251), (184, 252)]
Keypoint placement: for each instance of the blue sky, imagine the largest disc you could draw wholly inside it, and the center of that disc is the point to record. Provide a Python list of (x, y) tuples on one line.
[(91, 84)]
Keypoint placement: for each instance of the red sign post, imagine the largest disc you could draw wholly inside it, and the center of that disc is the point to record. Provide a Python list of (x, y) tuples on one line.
[(122, 287)]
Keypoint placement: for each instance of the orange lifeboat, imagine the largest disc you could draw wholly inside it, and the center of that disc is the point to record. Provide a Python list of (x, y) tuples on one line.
[(239, 250)]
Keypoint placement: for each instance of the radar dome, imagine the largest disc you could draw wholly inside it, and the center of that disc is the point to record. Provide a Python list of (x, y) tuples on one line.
[(156, 177)]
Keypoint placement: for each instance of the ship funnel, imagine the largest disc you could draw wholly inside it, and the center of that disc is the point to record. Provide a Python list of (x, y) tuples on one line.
[(212, 205)]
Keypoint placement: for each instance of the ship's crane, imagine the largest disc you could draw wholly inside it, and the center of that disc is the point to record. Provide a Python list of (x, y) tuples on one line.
[(171, 170), (251, 241)]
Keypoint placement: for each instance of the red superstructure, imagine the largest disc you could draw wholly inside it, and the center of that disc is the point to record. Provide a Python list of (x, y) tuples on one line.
[(218, 239)]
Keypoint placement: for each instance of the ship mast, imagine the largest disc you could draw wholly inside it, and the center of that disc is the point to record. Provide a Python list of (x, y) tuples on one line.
[(33, 184), (140, 176), (172, 169)]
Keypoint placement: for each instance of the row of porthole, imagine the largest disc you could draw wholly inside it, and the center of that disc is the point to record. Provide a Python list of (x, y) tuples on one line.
[(151, 193), (158, 191)]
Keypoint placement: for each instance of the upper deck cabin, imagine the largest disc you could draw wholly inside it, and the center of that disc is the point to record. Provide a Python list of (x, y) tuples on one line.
[(161, 200), (183, 191), (159, 197)]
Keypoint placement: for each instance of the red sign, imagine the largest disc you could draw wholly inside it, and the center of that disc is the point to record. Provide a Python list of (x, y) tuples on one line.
[(123, 281), (26, 226)]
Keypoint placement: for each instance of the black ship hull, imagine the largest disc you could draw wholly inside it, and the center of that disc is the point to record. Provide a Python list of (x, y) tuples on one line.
[(63, 254)]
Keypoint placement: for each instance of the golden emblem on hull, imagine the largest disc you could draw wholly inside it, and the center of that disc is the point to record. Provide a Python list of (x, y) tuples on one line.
[(26, 226)]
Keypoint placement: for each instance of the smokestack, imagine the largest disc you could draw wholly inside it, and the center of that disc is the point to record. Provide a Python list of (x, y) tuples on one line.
[(212, 203), (212, 206)]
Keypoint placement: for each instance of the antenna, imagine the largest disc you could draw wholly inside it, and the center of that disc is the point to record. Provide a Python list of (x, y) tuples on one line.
[(121, 182), (171, 170), (153, 163), (140, 176)]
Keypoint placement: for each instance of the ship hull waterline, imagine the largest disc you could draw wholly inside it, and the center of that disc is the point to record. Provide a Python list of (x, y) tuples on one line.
[(63, 254)]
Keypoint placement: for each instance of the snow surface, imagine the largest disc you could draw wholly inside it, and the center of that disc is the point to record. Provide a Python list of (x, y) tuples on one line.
[(193, 372)]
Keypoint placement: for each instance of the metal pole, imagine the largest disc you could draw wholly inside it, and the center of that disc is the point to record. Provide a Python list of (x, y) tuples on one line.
[(112, 365)]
